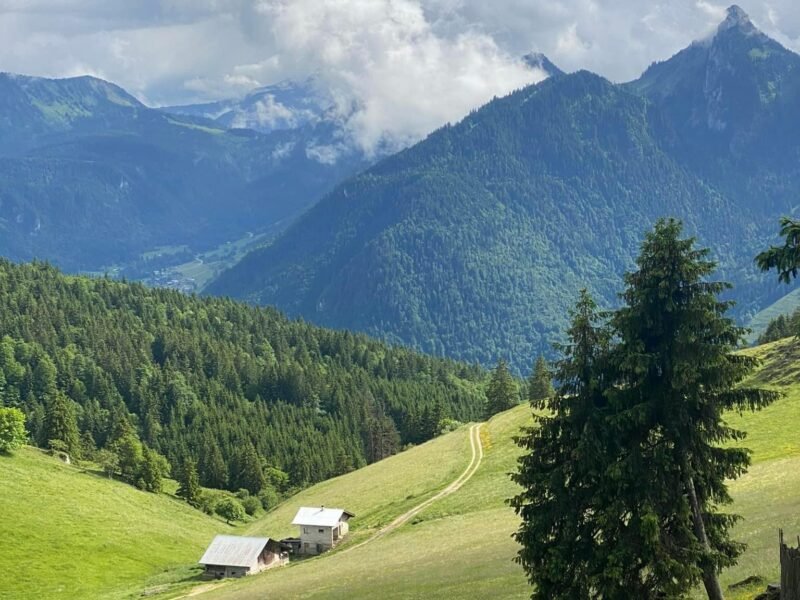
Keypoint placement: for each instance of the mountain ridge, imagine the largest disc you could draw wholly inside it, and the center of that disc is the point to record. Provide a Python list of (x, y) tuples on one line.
[(474, 242), (91, 177)]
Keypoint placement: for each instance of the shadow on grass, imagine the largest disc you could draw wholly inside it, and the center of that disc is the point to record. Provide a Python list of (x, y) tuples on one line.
[(781, 363)]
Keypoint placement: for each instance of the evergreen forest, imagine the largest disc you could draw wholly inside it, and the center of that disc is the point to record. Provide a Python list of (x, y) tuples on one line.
[(239, 391)]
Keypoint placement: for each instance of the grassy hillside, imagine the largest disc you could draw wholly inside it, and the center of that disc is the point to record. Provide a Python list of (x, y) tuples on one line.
[(68, 533), (461, 545), (378, 493), (74, 536), (785, 306)]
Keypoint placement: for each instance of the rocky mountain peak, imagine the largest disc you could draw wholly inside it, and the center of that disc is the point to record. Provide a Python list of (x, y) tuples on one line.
[(736, 18)]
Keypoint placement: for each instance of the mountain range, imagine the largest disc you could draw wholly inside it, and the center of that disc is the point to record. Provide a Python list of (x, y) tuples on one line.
[(287, 104), (474, 242), (91, 177)]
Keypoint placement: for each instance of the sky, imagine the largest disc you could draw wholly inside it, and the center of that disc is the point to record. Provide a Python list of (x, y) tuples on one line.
[(397, 66)]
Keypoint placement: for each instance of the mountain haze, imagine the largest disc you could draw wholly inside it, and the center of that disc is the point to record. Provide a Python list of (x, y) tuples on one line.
[(474, 242), (89, 176), (284, 105)]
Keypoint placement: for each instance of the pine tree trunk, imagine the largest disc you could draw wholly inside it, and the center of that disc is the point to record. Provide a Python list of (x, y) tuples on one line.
[(790, 571), (710, 579)]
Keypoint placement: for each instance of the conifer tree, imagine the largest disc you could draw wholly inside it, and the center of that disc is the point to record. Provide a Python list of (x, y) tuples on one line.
[(60, 424), (248, 473), (501, 392), (189, 483), (88, 447), (540, 383), (622, 484), (212, 467), (784, 259), (677, 375), (561, 469)]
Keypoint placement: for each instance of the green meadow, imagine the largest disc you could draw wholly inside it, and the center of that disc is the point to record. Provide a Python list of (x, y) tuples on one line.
[(70, 533), (76, 534), (461, 546)]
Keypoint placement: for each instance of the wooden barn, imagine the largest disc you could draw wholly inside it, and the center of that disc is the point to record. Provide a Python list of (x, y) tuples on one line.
[(321, 528), (236, 556)]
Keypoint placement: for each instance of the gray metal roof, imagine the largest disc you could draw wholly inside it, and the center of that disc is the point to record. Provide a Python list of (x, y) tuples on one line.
[(319, 516), (233, 551)]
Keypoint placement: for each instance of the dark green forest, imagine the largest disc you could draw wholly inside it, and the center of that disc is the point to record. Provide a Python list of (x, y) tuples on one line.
[(94, 363), (780, 327)]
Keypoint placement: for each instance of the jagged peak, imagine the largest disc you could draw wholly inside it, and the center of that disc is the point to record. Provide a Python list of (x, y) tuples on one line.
[(737, 18), (537, 60)]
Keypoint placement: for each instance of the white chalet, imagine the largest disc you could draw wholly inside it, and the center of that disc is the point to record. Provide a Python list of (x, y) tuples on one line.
[(321, 528)]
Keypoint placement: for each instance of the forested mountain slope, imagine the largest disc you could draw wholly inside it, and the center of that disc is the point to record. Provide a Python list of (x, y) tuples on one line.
[(474, 242), (211, 380), (90, 177)]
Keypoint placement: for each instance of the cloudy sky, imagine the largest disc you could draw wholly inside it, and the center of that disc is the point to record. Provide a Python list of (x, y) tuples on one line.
[(407, 64)]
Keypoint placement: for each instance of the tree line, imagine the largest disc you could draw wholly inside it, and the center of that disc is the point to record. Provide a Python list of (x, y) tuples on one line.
[(146, 381)]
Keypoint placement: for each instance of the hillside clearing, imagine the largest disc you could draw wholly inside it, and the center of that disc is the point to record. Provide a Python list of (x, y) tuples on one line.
[(76, 534), (379, 492)]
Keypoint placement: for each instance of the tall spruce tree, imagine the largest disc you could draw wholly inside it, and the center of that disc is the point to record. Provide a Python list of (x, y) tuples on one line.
[(501, 392), (676, 376), (60, 424), (561, 471), (540, 383), (622, 484), (189, 483)]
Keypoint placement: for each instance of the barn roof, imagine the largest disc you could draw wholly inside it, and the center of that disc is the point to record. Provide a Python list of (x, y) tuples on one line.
[(319, 516), (233, 551)]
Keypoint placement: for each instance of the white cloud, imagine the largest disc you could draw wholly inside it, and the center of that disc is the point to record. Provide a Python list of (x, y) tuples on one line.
[(391, 76), (395, 68)]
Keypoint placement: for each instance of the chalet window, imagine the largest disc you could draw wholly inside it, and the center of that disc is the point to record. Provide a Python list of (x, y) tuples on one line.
[(305, 529), (322, 531)]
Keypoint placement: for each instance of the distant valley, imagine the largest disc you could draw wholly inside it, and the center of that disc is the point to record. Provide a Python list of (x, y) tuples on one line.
[(93, 180)]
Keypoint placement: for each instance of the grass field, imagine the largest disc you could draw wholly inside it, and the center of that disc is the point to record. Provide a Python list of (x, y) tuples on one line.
[(458, 547), (67, 533), (379, 492), (76, 534)]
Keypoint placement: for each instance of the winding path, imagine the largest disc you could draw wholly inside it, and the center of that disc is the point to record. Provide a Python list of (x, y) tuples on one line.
[(475, 462), (472, 467)]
